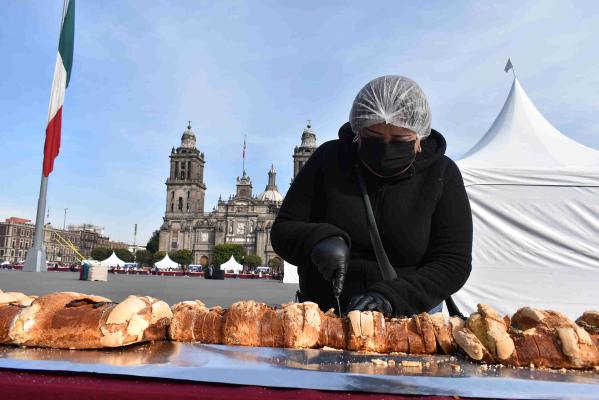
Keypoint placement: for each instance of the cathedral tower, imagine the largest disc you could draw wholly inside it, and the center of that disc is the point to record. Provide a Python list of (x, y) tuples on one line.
[(185, 188), (302, 153)]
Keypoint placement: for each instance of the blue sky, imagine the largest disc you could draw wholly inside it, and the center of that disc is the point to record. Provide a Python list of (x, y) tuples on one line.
[(262, 68)]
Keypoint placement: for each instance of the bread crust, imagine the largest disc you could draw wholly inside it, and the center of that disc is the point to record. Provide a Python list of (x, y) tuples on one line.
[(301, 325), (242, 323), (443, 333), (397, 335), (72, 320)]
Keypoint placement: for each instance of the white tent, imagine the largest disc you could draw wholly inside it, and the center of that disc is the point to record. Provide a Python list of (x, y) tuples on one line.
[(231, 266), (112, 261), (534, 194), (166, 263), (290, 273)]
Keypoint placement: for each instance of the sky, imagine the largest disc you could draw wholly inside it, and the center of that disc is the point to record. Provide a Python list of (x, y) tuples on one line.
[(142, 69)]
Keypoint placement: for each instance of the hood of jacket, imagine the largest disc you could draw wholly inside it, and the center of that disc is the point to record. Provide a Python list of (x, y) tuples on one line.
[(433, 148)]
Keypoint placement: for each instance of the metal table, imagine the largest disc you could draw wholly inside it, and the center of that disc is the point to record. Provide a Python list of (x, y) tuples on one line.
[(312, 369)]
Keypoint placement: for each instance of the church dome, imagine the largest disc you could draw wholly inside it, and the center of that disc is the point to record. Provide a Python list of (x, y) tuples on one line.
[(271, 192), (271, 195), (188, 139)]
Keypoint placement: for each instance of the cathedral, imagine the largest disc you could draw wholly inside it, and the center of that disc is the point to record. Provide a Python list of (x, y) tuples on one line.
[(244, 218)]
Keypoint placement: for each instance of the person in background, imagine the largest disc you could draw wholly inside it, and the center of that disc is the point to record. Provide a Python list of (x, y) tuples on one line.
[(418, 199)]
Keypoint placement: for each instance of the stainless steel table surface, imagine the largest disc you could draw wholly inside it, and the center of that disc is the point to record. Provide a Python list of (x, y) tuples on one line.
[(311, 369)]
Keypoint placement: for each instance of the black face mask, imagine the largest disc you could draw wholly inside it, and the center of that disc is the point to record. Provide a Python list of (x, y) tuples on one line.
[(387, 159)]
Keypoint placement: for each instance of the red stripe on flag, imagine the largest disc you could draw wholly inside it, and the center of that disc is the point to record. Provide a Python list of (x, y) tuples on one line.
[(52, 145)]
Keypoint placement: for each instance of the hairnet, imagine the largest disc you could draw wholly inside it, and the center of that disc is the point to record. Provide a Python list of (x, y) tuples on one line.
[(394, 100)]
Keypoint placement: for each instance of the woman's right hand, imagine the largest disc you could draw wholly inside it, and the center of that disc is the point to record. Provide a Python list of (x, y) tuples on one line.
[(331, 257)]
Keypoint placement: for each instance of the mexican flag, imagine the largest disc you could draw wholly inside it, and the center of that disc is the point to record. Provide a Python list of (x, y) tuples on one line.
[(62, 74)]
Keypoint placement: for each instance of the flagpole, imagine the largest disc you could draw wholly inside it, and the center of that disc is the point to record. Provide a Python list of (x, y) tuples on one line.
[(36, 256)]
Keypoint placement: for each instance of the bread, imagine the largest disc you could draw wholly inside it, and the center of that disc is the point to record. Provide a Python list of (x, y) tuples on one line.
[(183, 323), (16, 298), (527, 352), (589, 321), (271, 328), (242, 323), (301, 325), (333, 331), (397, 335), (194, 322), (443, 333), (468, 341), (366, 331), (546, 326), (77, 321), (427, 331), (136, 319), (11, 304), (543, 338), (551, 354), (492, 332)]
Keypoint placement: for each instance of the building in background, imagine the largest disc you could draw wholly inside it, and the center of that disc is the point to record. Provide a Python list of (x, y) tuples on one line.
[(302, 153), (87, 227), (244, 218), (16, 237)]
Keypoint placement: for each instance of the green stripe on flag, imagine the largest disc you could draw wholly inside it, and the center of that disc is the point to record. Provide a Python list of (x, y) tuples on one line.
[(67, 39)]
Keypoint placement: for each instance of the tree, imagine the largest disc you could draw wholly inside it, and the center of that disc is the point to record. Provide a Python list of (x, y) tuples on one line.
[(183, 257), (101, 253), (253, 261), (124, 255), (223, 252), (275, 264), (143, 257), (159, 255), (152, 245)]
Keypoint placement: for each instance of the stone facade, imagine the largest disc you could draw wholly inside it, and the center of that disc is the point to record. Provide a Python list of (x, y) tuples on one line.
[(243, 218)]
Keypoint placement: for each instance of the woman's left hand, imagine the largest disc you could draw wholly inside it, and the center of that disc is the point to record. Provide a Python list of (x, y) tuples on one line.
[(371, 301)]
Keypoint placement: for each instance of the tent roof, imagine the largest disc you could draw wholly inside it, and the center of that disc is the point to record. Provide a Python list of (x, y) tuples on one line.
[(166, 262), (232, 264), (522, 146), (112, 261)]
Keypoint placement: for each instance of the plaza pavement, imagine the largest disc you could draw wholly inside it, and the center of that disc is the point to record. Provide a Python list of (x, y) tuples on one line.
[(171, 289)]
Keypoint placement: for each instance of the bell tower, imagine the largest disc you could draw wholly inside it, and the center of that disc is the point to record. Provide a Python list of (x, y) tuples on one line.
[(302, 153), (185, 187)]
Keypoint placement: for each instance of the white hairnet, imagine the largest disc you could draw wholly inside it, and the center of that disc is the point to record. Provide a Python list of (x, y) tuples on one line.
[(394, 100)]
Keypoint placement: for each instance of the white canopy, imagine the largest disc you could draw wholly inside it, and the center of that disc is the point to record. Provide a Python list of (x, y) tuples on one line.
[(231, 265), (166, 263), (534, 194), (112, 261), (290, 273)]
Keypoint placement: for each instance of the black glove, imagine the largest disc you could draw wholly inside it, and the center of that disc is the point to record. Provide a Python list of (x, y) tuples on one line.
[(371, 301), (331, 256)]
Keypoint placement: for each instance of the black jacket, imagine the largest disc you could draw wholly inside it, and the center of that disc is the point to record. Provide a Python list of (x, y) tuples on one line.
[(423, 217)]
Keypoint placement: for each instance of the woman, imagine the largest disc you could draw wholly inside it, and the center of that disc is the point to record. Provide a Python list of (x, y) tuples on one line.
[(418, 201)]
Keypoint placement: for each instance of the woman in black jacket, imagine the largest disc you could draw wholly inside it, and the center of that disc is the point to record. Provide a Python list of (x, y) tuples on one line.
[(418, 200)]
